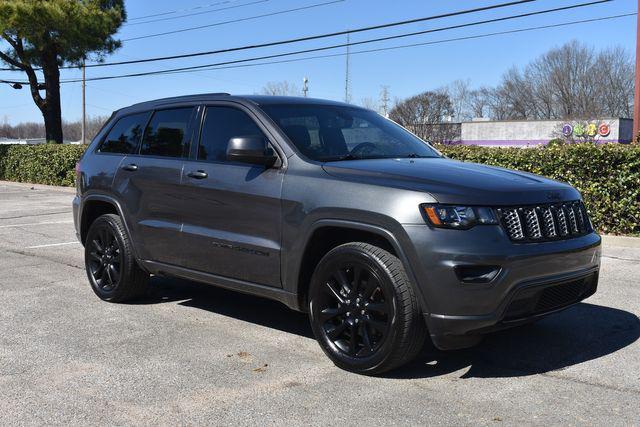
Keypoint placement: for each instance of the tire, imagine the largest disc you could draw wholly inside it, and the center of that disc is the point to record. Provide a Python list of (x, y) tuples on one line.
[(111, 267), (364, 311)]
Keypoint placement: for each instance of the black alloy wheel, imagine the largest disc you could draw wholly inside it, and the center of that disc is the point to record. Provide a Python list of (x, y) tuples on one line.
[(105, 259), (111, 266), (364, 311), (354, 311)]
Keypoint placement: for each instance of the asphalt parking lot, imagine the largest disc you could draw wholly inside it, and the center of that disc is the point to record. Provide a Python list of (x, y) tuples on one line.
[(194, 354)]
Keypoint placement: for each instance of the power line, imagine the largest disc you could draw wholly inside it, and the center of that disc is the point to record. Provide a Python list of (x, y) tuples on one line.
[(382, 49), (435, 42), (341, 45), (313, 37), (170, 12), (232, 21), (130, 24)]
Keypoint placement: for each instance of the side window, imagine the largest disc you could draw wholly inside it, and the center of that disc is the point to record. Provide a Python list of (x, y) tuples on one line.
[(220, 125), (166, 135), (124, 137)]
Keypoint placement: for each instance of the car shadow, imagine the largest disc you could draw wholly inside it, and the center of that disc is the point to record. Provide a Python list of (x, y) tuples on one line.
[(578, 334)]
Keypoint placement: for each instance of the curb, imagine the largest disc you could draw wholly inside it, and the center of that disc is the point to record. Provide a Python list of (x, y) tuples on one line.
[(35, 187), (621, 241)]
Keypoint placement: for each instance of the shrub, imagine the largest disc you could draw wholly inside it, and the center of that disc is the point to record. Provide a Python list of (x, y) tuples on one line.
[(607, 175), (51, 164)]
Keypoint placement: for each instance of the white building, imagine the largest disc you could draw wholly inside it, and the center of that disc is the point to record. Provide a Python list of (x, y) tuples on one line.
[(538, 132)]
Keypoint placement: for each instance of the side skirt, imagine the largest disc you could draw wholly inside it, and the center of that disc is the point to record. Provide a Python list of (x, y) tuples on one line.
[(287, 298)]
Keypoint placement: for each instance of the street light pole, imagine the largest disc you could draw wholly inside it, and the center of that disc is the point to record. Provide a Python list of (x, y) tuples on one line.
[(636, 93)]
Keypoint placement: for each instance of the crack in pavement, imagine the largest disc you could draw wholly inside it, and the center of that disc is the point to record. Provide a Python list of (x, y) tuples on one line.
[(38, 214), (591, 383), (19, 252)]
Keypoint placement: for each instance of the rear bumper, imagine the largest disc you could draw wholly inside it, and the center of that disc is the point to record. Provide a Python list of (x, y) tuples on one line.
[(75, 204), (534, 280)]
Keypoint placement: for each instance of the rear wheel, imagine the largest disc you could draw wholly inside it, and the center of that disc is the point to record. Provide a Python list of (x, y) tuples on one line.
[(364, 311), (111, 266)]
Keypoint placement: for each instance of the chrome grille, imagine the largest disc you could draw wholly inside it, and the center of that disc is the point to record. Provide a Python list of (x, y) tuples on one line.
[(532, 223), (550, 229), (513, 225), (545, 222), (563, 227)]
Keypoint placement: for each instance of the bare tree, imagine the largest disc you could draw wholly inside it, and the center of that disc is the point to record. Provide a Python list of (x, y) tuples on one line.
[(572, 81), (425, 115), (460, 93), (369, 103), (479, 102), (283, 88)]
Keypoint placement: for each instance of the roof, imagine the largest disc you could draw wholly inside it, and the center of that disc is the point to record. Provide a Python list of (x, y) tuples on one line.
[(256, 99)]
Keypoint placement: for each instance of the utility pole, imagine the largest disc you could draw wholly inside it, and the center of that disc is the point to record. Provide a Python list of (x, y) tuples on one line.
[(347, 82), (305, 86), (384, 101), (84, 105), (636, 94)]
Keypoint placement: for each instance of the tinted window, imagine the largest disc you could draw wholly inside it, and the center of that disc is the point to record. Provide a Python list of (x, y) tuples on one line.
[(166, 135), (330, 132), (125, 135), (220, 125)]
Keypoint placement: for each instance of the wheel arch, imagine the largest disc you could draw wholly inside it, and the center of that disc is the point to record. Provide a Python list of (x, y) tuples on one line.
[(324, 235), (95, 205)]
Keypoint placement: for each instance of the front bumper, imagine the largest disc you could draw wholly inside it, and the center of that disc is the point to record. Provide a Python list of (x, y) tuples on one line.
[(534, 279)]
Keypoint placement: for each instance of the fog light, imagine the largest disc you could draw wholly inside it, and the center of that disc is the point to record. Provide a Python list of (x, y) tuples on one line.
[(477, 273)]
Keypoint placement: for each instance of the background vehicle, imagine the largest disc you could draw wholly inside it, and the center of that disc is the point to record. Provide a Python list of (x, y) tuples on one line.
[(330, 209)]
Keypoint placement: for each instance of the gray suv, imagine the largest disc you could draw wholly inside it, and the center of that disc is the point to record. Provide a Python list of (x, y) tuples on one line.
[(333, 210)]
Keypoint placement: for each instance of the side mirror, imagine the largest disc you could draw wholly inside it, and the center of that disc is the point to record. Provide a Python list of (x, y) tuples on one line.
[(251, 149)]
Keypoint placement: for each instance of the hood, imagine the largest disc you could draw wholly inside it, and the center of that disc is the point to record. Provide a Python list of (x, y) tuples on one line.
[(455, 182)]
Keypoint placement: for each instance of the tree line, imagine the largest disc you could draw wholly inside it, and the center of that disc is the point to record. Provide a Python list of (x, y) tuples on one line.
[(573, 81), (72, 129)]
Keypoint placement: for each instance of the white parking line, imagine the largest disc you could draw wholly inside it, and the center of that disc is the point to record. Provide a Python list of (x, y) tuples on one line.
[(52, 244), (36, 223)]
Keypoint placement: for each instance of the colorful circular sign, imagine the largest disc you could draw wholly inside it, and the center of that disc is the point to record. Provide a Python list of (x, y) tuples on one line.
[(592, 129), (578, 129), (567, 129), (604, 129)]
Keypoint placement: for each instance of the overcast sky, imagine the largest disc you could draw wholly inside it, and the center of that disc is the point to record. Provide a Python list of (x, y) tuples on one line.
[(405, 71)]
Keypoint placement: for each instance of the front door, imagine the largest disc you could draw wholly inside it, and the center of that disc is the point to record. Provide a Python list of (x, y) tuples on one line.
[(232, 215)]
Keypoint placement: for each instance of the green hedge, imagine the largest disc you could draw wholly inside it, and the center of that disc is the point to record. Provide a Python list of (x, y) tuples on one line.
[(50, 164), (608, 176)]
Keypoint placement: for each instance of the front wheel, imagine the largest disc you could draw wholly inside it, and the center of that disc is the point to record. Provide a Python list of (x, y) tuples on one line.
[(364, 311)]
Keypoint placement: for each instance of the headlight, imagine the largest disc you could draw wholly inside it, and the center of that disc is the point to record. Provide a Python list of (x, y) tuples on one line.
[(460, 217)]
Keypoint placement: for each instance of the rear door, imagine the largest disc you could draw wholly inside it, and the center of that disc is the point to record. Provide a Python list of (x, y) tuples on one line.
[(232, 222), (149, 184)]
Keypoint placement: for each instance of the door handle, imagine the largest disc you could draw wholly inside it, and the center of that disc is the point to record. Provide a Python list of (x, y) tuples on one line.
[(132, 167), (197, 174)]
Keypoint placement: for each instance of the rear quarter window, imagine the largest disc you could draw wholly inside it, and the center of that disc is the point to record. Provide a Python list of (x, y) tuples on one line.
[(125, 135)]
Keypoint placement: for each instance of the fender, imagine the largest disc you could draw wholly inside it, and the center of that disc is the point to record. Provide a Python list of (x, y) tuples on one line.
[(374, 229), (92, 196)]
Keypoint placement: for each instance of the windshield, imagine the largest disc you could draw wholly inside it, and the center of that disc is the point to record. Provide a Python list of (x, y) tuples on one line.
[(328, 133)]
